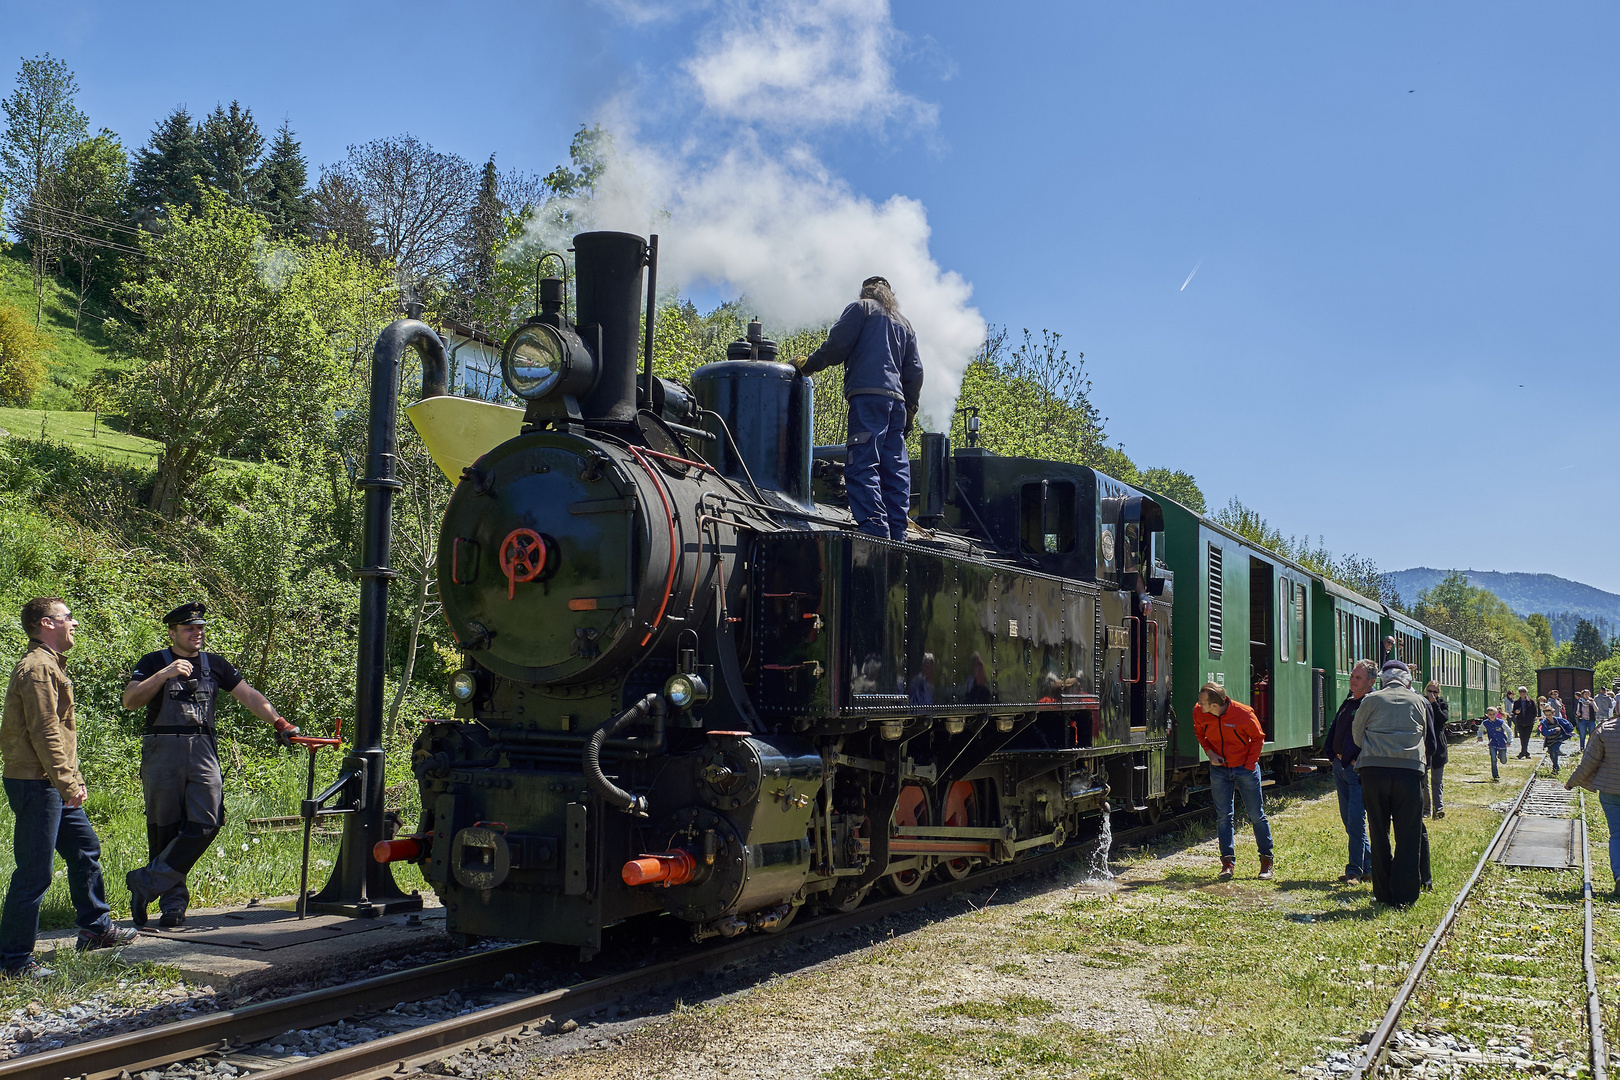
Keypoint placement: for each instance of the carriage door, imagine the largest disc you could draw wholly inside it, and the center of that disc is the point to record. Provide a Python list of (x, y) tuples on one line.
[(1147, 663)]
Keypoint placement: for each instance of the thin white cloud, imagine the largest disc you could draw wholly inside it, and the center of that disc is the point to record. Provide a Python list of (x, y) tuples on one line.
[(805, 65), (646, 12)]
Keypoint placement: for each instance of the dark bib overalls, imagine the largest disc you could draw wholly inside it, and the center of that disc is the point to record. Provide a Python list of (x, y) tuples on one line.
[(181, 783)]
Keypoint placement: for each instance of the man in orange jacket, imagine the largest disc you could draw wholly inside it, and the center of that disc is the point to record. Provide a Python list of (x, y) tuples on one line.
[(1231, 735)]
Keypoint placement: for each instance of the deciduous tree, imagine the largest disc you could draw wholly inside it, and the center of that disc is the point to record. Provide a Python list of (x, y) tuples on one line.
[(90, 193), (22, 357), (416, 201), (228, 347), (42, 122)]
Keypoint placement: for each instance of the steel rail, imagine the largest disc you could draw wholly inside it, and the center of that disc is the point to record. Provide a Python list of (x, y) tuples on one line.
[(104, 1059), (407, 1050), (101, 1059), (1372, 1057), (1594, 1008)]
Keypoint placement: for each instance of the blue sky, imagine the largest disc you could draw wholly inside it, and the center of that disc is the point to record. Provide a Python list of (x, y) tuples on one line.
[(1401, 332)]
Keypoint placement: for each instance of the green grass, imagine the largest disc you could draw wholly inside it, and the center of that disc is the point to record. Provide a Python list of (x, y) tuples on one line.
[(1254, 978), (244, 862), (77, 355), (82, 431)]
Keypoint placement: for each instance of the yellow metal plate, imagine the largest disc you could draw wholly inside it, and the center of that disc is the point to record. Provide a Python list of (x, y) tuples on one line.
[(457, 431)]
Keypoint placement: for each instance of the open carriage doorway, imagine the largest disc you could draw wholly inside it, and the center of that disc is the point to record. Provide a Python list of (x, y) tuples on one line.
[(1262, 630)]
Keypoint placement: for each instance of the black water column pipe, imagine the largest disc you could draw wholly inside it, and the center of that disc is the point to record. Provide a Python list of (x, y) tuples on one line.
[(359, 884)]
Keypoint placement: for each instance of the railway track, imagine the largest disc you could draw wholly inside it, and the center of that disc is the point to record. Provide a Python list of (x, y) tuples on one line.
[(228, 1032), (1507, 982)]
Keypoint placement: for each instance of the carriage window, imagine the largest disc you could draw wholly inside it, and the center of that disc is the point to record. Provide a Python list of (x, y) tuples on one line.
[(1299, 623), (1285, 607), (1046, 518), (1213, 576)]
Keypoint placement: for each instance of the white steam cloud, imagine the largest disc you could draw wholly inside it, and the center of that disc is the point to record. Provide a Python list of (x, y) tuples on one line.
[(774, 224)]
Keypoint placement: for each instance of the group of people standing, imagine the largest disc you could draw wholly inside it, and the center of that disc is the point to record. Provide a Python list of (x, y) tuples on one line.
[(1387, 744), (180, 778)]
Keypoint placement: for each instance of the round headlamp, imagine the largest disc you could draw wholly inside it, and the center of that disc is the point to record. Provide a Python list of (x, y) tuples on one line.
[(684, 691), (463, 686), (540, 361)]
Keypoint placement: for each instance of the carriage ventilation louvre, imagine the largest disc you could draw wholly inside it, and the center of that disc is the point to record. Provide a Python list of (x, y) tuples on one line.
[(1214, 577)]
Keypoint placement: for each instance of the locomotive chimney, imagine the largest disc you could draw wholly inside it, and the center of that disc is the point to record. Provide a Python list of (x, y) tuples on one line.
[(608, 283)]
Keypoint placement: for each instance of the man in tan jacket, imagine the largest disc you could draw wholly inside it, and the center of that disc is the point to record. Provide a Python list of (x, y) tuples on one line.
[(39, 748)]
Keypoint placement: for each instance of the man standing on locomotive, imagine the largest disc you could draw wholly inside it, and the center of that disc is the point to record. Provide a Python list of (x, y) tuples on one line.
[(883, 378), (179, 766), (1231, 735)]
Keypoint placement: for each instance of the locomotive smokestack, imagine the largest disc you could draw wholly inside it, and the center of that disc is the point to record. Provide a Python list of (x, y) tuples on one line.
[(608, 283)]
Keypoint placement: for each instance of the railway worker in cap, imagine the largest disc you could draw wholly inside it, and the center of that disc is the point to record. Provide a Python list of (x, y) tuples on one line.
[(39, 746), (883, 378), (1231, 735), (1525, 716), (179, 767), (1390, 727)]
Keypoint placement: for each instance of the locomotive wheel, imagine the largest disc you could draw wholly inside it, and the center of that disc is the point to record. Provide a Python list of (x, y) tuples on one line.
[(840, 900), (1156, 812), (904, 883), (793, 913), (961, 808)]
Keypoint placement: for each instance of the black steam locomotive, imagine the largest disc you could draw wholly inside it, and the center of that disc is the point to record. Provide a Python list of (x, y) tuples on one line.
[(691, 686)]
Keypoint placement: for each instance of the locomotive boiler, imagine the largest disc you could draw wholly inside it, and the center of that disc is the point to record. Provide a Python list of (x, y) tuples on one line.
[(691, 686)]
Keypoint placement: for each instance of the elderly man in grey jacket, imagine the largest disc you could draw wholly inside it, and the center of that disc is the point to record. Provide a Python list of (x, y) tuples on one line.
[(1389, 727)]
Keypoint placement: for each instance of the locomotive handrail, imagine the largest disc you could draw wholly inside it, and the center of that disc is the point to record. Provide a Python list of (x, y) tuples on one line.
[(1130, 653)]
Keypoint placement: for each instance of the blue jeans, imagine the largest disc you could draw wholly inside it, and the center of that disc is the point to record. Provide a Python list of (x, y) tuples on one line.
[(1498, 754), (1225, 782), (1353, 812), (1554, 747), (44, 824), (1584, 729), (1611, 813), (877, 469)]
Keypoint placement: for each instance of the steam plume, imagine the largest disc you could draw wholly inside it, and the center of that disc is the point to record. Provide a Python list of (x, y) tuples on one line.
[(764, 217)]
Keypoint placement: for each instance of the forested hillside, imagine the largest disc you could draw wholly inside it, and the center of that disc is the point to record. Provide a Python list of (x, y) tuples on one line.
[(1563, 601)]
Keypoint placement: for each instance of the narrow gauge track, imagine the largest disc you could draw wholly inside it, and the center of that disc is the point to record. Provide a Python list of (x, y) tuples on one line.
[(105, 1059), (1472, 955)]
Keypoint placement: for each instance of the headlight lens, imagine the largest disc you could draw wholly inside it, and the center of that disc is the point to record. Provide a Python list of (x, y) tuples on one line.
[(463, 686), (534, 361), (683, 691)]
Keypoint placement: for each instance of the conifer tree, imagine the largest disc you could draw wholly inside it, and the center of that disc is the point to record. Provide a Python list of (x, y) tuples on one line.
[(167, 167), (231, 146), (283, 180)]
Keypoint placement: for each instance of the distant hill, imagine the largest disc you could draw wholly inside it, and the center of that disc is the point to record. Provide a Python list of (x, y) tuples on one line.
[(1526, 594)]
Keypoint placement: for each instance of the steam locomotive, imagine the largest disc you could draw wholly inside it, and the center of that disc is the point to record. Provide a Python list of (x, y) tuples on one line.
[(692, 686)]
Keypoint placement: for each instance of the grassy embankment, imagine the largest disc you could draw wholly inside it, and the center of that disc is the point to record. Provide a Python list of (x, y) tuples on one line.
[(75, 355)]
